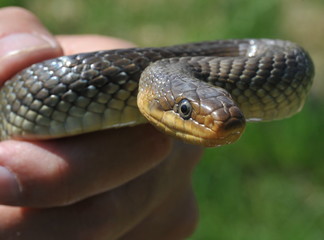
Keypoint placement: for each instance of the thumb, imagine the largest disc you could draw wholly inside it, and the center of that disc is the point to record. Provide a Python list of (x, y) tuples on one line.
[(23, 41)]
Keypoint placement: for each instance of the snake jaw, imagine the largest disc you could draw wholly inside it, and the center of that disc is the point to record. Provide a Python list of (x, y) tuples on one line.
[(216, 133)]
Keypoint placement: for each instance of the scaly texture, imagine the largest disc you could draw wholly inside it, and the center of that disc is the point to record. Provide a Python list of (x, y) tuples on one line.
[(267, 79)]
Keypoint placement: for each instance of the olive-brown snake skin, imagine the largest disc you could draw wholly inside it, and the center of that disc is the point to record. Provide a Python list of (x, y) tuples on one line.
[(173, 87)]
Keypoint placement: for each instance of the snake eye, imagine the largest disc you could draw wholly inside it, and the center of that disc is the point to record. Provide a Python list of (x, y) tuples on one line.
[(184, 109)]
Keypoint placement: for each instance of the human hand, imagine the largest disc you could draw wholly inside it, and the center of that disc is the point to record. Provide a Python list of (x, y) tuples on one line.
[(128, 183)]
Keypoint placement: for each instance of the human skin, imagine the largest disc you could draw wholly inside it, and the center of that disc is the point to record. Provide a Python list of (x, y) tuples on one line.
[(128, 183)]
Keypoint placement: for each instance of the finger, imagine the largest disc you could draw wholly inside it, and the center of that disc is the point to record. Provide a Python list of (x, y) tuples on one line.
[(162, 191), (88, 43), (63, 171), (23, 41)]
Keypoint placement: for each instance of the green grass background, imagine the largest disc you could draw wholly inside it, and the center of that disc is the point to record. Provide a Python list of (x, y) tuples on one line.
[(270, 184)]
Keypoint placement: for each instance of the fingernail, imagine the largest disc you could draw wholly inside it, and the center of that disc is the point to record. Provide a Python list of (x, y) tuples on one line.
[(9, 188), (24, 42)]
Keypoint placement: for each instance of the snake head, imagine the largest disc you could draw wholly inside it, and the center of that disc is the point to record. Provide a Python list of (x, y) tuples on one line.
[(190, 109)]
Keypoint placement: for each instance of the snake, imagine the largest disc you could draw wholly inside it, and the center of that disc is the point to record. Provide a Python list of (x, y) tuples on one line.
[(202, 93)]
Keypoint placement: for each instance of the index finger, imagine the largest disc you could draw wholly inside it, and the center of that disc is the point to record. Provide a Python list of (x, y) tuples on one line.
[(23, 41), (73, 44)]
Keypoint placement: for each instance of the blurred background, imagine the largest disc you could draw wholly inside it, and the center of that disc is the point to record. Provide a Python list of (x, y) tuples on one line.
[(270, 184)]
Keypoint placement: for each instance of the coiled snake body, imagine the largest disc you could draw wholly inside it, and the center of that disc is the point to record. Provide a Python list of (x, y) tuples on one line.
[(200, 92)]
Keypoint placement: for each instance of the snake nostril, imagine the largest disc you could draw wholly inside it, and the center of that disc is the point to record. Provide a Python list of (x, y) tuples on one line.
[(236, 120), (235, 112)]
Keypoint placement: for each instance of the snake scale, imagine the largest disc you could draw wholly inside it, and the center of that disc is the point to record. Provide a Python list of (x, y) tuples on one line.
[(202, 92)]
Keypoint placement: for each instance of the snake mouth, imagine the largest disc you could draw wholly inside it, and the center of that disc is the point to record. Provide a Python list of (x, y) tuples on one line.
[(221, 133), (234, 124), (229, 131), (226, 126)]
